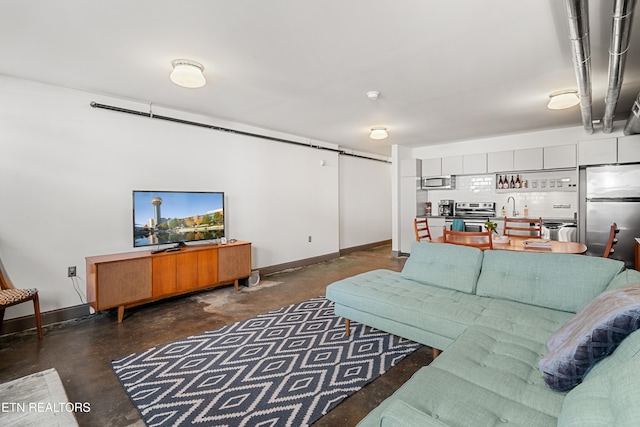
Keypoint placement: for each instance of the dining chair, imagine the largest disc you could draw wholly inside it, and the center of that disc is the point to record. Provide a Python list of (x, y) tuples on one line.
[(522, 227), (9, 296), (478, 239), (421, 227), (613, 230)]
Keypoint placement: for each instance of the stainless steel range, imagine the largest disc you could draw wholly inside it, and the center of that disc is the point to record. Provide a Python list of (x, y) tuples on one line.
[(474, 214)]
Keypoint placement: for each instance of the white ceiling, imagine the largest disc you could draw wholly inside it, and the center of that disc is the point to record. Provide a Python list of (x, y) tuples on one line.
[(447, 70)]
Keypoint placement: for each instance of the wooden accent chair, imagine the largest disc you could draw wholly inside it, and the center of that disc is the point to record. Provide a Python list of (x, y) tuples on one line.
[(613, 230), (522, 227), (9, 296), (479, 239), (421, 227)]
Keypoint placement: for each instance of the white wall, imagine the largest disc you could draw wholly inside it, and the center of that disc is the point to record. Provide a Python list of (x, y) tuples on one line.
[(365, 201), (67, 171)]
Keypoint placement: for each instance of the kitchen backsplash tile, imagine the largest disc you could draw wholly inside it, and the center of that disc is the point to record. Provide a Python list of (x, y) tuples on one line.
[(481, 188)]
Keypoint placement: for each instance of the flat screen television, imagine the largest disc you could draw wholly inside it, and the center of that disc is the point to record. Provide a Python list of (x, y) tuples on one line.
[(163, 217)]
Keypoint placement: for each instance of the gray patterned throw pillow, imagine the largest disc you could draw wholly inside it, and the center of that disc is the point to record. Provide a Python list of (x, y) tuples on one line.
[(590, 336)]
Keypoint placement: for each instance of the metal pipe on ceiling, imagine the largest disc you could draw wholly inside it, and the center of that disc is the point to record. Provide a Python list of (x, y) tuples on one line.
[(578, 14), (223, 129), (620, 35)]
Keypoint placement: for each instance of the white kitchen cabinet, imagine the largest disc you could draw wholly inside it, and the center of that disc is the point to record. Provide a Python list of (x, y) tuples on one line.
[(528, 159), (432, 167), (473, 164), (410, 167), (436, 225), (629, 149), (452, 165), (500, 161), (597, 151), (560, 156)]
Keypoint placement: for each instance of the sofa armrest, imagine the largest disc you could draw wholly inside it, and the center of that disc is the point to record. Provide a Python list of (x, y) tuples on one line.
[(400, 414)]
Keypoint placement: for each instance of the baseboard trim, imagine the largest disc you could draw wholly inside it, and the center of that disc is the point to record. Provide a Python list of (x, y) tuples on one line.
[(399, 254), (345, 251), (272, 269), (19, 324)]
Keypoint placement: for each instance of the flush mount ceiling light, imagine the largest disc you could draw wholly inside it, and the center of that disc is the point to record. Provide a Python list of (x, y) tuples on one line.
[(563, 99), (187, 73), (373, 95), (378, 133)]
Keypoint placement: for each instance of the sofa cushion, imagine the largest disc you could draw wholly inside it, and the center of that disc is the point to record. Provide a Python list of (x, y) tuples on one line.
[(446, 266), (559, 281), (485, 378), (624, 278), (387, 295), (399, 414), (590, 336)]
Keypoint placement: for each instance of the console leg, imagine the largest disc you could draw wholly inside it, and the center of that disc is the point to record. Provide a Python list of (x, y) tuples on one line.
[(120, 313), (235, 283), (347, 325)]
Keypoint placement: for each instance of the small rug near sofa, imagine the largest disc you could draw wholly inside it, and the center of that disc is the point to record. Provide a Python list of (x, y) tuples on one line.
[(288, 367)]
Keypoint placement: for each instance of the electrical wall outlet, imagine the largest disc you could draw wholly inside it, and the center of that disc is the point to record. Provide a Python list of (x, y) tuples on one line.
[(71, 271)]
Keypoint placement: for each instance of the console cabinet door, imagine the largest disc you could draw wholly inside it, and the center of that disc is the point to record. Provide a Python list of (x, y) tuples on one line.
[(186, 271), (164, 275), (234, 262), (122, 282), (207, 267)]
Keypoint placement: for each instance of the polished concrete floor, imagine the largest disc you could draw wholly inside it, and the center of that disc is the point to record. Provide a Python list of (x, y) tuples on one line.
[(81, 350)]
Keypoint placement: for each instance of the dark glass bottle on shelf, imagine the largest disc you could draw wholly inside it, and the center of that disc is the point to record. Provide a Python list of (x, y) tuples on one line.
[(512, 183), (500, 185), (518, 185)]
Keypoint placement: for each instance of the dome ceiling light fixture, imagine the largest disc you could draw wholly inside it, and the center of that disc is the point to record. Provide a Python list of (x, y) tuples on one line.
[(563, 99), (373, 95), (187, 73), (378, 133)]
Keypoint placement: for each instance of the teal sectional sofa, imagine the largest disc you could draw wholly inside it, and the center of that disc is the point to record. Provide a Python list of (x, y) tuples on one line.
[(492, 314)]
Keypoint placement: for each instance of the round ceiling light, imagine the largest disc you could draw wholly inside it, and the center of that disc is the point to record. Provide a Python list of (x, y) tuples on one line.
[(563, 99), (187, 73), (373, 95), (378, 133)]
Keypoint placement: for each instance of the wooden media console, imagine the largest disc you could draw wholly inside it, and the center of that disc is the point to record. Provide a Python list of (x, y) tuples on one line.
[(128, 279)]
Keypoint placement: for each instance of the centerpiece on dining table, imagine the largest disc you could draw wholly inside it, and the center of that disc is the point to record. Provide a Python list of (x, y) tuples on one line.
[(492, 227)]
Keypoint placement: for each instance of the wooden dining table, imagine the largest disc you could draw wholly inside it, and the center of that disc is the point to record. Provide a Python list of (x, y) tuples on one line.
[(517, 244)]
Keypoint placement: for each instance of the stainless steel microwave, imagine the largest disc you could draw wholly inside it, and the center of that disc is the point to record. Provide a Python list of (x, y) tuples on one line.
[(438, 182)]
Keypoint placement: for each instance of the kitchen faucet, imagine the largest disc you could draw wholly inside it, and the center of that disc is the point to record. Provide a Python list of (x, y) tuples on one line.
[(514, 211)]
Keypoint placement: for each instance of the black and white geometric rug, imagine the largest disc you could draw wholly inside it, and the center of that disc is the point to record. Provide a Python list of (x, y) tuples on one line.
[(288, 367)]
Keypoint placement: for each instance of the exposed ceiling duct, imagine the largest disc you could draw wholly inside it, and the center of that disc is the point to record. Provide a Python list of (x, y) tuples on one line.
[(620, 36), (633, 122), (578, 14)]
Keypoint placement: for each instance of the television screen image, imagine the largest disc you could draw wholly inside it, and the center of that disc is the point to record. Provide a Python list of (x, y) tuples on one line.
[(161, 217)]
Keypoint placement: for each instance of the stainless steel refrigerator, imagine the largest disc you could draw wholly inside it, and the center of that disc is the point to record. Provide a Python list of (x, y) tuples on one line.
[(612, 194)]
